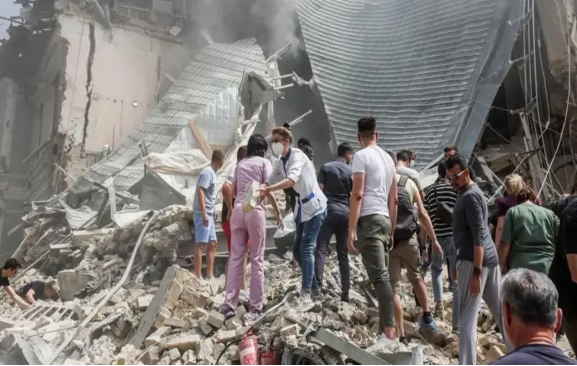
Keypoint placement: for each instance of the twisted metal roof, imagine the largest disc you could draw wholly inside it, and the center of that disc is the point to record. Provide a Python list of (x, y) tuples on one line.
[(426, 70)]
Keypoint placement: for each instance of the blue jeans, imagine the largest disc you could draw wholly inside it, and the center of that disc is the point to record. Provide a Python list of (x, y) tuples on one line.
[(304, 249), (450, 253)]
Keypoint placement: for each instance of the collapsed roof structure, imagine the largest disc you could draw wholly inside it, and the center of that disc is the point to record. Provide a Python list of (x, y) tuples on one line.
[(427, 71), (214, 104)]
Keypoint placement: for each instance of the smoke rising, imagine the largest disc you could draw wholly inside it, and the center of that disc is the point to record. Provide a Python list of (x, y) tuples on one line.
[(279, 19)]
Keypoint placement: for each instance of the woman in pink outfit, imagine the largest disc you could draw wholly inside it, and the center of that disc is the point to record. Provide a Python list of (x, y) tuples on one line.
[(247, 226)]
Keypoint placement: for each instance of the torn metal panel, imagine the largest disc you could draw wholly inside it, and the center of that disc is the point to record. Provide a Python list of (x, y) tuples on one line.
[(427, 71), (82, 217), (218, 67)]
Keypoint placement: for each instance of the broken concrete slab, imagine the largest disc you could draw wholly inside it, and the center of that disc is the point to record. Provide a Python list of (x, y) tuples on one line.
[(216, 319), (156, 337), (80, 236), (71, 282), (183, 343)]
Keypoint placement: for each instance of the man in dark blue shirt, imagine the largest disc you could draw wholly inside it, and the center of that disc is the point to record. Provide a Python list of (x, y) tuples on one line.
[(531, 318), (335, 179)]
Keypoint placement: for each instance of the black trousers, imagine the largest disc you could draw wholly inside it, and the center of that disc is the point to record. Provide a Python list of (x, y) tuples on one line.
[(339, 226)]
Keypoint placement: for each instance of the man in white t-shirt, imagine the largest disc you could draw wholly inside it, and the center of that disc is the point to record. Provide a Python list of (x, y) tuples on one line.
[(373, 213)]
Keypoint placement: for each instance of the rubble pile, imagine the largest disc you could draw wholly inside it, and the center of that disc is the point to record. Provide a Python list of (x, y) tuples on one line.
[(164, 315)]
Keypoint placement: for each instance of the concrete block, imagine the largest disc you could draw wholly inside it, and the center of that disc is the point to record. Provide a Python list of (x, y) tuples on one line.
[(162, 316), (493, 354), (134, 295), (174, 354), (143, 302), (193, 297), (188, 358), (173, 295), (205, 327), (224, 336), (200, 313), (71, 282), (151, 356), (216, 319), (183, 343), (156, 337), (177, 323)]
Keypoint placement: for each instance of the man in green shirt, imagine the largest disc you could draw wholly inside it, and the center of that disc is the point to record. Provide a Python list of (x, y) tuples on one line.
[(529, 235)]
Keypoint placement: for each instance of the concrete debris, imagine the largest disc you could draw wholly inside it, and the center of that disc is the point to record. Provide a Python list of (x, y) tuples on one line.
[(164, 315)]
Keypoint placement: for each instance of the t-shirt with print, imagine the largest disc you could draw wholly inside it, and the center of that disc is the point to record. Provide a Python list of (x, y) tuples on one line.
[(411, 173), (206, 180), (531, 230), (536, 354), (228, 180), (248, 170), (379, 170)]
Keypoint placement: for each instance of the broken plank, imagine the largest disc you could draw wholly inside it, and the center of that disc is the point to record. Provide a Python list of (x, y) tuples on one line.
[(149, 317), (205, 146)]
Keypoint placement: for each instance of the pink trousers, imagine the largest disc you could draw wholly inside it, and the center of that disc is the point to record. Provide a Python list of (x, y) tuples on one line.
[(246, 226)]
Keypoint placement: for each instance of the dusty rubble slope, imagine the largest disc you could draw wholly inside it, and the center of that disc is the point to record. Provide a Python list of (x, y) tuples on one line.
[(164, 315)]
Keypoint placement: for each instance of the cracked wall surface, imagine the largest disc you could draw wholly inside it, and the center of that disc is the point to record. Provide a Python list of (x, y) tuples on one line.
[(108, 98)]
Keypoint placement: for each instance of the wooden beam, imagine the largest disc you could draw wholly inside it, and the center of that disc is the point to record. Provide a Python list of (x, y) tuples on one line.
[(204, 145)]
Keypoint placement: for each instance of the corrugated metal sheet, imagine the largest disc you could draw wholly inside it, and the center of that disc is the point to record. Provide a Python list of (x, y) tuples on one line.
[(427, 70), (216, 68)]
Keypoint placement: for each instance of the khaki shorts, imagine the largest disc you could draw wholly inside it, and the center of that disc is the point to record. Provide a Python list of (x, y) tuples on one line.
[(406, 253)]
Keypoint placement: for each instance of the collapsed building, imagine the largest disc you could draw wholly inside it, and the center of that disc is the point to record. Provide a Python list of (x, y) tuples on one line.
[(119, 104)]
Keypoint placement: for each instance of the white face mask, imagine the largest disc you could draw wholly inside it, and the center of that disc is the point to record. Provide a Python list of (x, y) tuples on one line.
[(412, 163), (277, 148)]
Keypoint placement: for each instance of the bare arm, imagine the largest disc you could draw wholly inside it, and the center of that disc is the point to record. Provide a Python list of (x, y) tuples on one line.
[(227, 193), (478, 253), (30, 296), (424, 218), (322, 186), (499, 231), (201, 201), (503, 253), (283, 184), (393, 203), (572, 263), (356, 200), (17, 299), (274, 204)]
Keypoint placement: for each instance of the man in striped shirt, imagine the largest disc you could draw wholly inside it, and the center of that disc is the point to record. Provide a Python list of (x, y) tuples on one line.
[(442, 192)]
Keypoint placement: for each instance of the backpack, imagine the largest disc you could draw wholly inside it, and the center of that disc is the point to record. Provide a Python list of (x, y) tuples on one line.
[(406, 225)]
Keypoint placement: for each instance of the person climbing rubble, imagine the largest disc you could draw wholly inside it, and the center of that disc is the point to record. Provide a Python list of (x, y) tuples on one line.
[(531, 319), (227, 208), (373, 213), (335, 179), (39, 290), (295, 170), (249, 223), (440, 200), (405, 249), (478, 273), (203, 214), (529, 235), (9, 270), (513, 183)]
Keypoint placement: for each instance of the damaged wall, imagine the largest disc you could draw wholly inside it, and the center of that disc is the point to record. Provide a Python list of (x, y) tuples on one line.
[(123, 73)]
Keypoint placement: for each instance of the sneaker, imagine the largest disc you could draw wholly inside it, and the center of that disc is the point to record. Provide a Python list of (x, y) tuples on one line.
[(439, 310), (427, 324), (228, 313), (382, 341), (316, 294)]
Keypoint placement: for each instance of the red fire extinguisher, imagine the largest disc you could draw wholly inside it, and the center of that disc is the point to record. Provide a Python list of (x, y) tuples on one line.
[(248, 351), (269, 358)]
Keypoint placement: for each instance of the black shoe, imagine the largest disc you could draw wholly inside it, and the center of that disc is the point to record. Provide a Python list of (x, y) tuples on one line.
[(404, 341)]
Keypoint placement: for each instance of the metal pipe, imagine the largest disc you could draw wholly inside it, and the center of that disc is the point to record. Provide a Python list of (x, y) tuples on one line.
[(110, 294)]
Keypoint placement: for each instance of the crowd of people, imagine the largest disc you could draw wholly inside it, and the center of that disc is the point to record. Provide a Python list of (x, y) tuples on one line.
[(375, 205)]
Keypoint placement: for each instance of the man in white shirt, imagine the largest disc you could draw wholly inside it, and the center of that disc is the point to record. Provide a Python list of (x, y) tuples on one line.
[(373, 213), (294, 169)]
